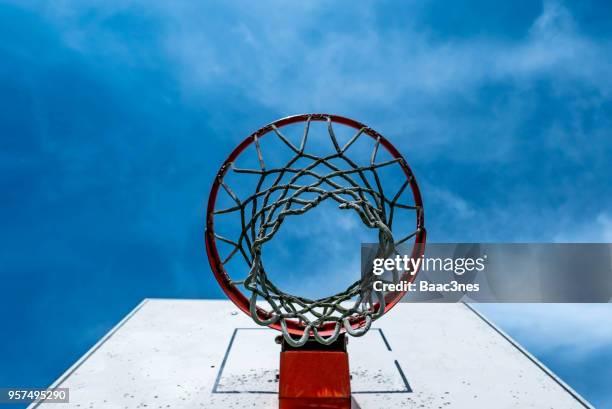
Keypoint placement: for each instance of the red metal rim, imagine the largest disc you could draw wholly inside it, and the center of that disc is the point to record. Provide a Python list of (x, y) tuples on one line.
[(223, 278)]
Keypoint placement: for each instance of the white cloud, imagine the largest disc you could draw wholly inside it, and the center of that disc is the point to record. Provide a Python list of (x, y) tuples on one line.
[(599, 230), (605, 222), (382, 66), (451, 201), (399, 80), (257, 46), (549, 327), (299, 59)]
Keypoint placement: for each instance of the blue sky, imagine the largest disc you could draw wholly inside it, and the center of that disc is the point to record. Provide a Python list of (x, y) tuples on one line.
[(114, 117)]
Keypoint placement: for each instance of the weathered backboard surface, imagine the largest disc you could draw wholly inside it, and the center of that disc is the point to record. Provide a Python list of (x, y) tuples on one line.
[(207, 354)]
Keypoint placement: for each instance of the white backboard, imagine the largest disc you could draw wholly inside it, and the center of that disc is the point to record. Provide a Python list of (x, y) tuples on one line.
[(207, 354)]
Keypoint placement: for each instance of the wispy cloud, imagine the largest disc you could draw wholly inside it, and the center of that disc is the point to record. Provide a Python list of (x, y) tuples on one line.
[(292, 60), (594, 231), (571, 339), (546, 328)]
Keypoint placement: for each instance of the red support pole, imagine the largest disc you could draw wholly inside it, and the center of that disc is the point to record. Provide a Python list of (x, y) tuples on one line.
[(315, 376)]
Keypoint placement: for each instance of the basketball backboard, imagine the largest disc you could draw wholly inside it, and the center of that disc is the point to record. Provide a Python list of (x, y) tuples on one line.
[(208, 354)]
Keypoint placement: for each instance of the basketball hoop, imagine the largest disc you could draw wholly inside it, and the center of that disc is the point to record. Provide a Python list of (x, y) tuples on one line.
[(336, 177)]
